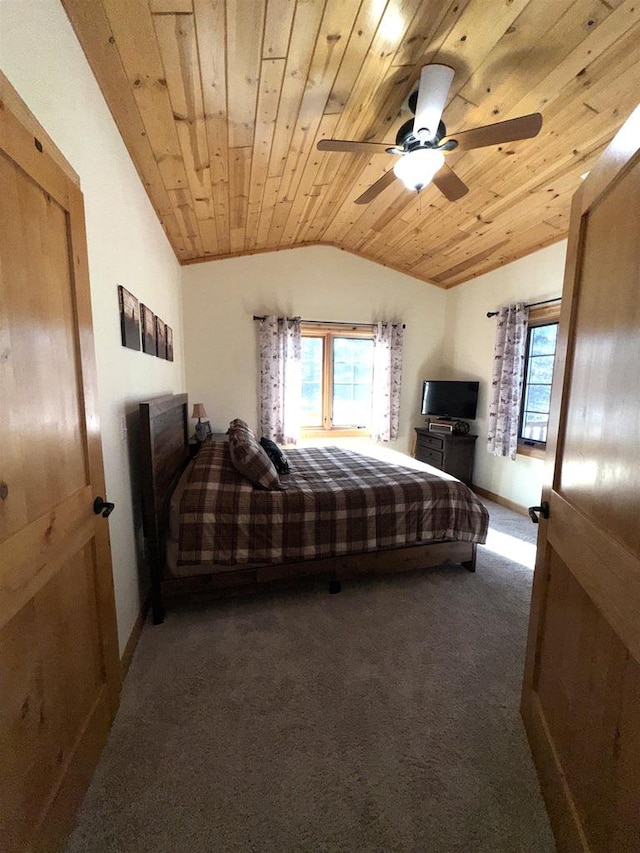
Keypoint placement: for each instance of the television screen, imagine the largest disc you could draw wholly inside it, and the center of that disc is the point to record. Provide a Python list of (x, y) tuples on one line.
[(442, 399)]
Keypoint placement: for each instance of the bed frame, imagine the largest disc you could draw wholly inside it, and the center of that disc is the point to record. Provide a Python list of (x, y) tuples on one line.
[(164, 432)]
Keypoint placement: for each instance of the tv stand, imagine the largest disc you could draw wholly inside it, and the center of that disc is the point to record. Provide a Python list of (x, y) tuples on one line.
[(450, 452)]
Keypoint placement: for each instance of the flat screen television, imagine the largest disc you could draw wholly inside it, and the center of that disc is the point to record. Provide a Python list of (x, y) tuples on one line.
[(443, 399)]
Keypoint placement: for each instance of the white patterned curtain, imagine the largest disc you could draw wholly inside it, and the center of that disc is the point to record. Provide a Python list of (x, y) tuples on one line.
[(280, 378), (387, 379), (506, 383)]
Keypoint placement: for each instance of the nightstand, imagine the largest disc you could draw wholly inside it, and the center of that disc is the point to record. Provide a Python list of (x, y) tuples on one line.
[(195, 445)]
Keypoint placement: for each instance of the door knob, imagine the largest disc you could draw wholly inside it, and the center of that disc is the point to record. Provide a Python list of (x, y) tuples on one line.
[(104, 507), (543, 509)]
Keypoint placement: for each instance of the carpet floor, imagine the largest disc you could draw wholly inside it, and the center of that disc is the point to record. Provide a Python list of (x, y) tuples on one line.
[(381, 719)]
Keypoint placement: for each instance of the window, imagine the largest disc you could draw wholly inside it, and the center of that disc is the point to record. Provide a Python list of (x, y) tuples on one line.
[(337, 370), (540, 354)]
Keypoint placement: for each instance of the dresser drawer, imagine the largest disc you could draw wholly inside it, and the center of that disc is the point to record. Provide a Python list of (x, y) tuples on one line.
[(431, 457), (435, 442)]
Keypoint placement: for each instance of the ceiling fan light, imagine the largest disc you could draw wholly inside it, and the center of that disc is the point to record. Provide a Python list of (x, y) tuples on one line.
[(417, 168)]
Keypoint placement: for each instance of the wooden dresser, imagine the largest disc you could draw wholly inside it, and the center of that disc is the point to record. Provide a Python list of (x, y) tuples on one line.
[(451, 452)]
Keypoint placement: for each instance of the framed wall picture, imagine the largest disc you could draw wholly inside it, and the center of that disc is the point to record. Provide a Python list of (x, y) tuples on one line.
[(148, 319), (169, 332), (129, 318), (161, 338)]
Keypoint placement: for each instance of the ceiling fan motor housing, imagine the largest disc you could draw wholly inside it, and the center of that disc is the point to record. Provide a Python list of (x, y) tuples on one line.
[(406, 139)]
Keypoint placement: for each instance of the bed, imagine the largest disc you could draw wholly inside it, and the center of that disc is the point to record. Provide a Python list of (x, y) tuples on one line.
[(337, 515)]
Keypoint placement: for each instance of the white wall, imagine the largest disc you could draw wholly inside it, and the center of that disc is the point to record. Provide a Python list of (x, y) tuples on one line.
[(41, 57), (470, 337), (316, 283)]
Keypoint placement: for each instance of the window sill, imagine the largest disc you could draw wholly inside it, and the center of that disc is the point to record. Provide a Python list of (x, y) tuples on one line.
[(532, 451), (335, 433)]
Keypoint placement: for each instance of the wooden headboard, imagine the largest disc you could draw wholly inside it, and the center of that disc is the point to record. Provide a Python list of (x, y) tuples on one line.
[(164, 447)]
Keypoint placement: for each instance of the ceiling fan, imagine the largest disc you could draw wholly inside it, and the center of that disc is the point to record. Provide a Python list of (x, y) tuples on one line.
[(422, 142)]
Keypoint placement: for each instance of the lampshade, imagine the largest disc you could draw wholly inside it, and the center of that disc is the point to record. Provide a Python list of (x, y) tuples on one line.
[(417, 168), (198, 411)]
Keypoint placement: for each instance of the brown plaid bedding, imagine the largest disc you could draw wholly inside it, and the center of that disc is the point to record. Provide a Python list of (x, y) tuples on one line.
[(335, 502)]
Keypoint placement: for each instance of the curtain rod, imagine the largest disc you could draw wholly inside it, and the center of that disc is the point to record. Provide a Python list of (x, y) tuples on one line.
[(530, 305), (330, 322), (264, 317)]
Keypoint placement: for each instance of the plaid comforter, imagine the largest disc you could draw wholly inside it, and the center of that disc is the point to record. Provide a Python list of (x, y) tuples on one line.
[(335, 502)]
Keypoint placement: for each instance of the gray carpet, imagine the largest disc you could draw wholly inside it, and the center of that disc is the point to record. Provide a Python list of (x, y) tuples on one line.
[(381, 719)]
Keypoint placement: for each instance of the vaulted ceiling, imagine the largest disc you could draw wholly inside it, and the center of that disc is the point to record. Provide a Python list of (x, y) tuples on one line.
[(221, 106)]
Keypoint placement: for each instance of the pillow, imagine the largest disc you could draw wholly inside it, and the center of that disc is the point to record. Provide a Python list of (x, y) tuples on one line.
[(251, 460), (239, 424), (276, 455)]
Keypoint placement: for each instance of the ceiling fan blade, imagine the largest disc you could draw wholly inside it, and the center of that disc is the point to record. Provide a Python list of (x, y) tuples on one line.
[(354, 147), (375, 189), (449, 183), (524, 127), (435, 82)]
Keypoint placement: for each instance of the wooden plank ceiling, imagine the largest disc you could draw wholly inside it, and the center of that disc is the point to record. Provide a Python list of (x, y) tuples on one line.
[(221, 105)]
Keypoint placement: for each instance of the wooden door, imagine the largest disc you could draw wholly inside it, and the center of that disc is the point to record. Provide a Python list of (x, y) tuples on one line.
[(59, 664), (581, 696)]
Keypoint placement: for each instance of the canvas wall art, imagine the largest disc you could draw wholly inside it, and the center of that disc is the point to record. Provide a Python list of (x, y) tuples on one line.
[(148, 319), (161, 338), (129, 318), (169, 331)]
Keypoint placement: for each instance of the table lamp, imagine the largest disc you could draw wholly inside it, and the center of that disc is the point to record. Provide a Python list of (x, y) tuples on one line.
[(199, 413)]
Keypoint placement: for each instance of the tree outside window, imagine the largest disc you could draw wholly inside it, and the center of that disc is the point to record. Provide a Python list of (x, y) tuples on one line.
[(312, 372), (542, 339)]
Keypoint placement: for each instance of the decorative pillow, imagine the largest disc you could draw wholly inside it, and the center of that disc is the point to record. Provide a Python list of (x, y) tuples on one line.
[(251, 460), (239, 424), (276, 455)]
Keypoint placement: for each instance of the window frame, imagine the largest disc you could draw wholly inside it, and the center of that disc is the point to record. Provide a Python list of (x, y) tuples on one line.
[(542, 315), (329, 331)]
